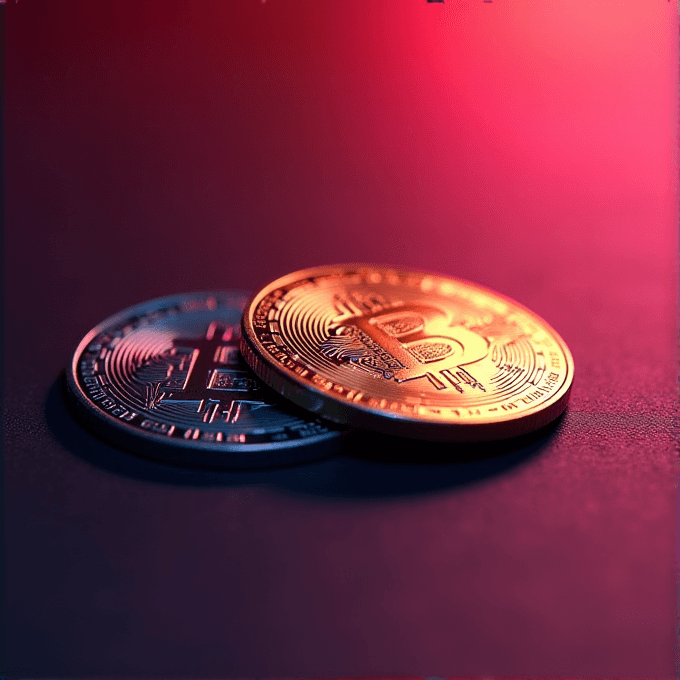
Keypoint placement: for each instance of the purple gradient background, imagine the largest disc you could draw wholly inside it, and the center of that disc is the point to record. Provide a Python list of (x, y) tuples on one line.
[(159, 147)]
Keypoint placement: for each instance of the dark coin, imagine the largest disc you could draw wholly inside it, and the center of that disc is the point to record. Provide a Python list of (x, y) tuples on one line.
[(166, 379)]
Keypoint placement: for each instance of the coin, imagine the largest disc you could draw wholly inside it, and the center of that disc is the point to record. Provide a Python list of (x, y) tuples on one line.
[(166, 379), (408, 353)]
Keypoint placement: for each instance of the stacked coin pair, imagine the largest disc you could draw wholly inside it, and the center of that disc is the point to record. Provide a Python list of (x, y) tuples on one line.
[(222, 379)]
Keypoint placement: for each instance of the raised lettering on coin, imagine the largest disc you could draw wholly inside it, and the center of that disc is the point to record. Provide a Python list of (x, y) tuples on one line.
[(407, 353), (166, 379)]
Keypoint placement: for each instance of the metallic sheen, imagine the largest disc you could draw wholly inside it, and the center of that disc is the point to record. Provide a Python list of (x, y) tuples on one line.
[(166, 379), (407, 353)]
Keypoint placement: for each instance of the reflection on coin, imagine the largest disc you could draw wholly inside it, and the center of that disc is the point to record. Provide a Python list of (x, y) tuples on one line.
[(166, 379), (407, 353)]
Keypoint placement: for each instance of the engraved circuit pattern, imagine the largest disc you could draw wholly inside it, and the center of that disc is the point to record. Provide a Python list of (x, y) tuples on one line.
[(172, 370), (415, 346)]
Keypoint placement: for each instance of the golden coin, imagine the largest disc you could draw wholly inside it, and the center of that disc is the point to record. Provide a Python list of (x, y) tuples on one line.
[(407, 353)]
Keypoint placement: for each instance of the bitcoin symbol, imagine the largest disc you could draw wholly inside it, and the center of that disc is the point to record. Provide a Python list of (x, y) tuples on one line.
[(410, 342), (208, 372)]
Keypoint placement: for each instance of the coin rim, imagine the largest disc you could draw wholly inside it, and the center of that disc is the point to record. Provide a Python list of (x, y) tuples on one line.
[(343, 412), (176, 450)]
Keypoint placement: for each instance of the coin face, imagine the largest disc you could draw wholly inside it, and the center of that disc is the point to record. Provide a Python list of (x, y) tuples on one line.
[(166, 379), (407, 353)]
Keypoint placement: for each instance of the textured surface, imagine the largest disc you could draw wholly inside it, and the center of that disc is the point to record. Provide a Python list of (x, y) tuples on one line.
[(407, 353), (166, 380), (157, 147)]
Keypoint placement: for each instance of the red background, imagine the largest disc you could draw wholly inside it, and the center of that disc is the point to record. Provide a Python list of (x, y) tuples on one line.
[(160, 147)]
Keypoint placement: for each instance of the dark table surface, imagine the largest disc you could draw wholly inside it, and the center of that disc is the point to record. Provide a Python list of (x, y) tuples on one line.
[(159, 147)]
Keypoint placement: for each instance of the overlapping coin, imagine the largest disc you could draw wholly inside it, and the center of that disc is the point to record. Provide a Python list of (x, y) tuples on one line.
[(408, 353), (165, 378)]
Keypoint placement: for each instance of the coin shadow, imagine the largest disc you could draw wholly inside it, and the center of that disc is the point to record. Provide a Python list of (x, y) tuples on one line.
[(397, 466), (369, 466)]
